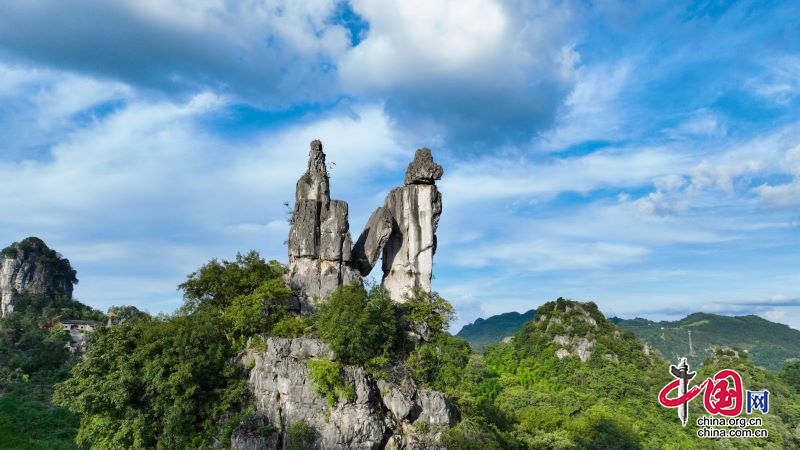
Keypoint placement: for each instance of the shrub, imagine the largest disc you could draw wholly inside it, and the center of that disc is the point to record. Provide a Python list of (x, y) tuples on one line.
[(358, 327), (329, 382), (428, 308), (300, 436), (293, 326)]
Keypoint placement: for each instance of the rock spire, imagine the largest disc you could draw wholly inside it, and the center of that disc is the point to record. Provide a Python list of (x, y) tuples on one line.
[(319, 236), (416, 208), (402, 232)]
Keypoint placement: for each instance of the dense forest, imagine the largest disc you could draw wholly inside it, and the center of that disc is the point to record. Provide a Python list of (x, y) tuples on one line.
[(769, 345), (172, 381)]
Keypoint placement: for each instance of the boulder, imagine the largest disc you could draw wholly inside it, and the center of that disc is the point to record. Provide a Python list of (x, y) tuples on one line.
[(422, 170)]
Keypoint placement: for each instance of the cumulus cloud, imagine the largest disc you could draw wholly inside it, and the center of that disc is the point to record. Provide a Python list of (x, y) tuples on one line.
[(786, 194), (464, 72), (147, 191), (267, 53)]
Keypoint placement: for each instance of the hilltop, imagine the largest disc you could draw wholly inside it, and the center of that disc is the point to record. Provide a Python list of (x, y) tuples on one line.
[(484, 332), (769, 344)]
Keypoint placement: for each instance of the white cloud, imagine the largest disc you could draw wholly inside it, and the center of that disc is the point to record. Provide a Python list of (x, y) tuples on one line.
[(463, 71), (778, 82), (782, 196), (414, 41), (591, 112), (265, 53), (700, 124), (503, 178), (549, 254), (144, 192)]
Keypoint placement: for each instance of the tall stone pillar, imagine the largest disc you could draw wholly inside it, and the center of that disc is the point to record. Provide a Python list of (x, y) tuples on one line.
[(416, 208)]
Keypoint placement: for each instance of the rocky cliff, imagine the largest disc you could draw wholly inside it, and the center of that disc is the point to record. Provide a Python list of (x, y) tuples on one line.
[(381, 414), (416, 208), (319, 236), (31, 267), (402, 231)]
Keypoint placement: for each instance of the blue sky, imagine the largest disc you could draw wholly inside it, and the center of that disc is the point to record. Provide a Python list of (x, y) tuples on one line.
[(643, 155)]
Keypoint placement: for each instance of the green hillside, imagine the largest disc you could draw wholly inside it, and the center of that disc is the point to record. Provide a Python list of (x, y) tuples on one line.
[(572, 379), (769, 344), (484, 332)]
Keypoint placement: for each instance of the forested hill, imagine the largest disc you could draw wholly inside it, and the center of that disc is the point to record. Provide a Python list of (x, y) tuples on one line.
[(769, 344), (484, 332)]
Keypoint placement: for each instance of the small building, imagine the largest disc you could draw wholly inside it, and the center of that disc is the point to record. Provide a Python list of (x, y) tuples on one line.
[(77, 325)]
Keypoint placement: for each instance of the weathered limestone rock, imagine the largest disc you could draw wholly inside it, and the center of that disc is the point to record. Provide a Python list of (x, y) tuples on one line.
[(382, 413), (372, 240), (31, 267), (416, 208), (319, 237), (315, 183), (434, 408), (408, 255), (423, 170), (403, 231)]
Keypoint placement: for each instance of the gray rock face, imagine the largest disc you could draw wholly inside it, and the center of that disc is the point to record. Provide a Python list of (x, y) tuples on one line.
[(315, 183), (319, 237), (372, 240), (382, 413), (31, 267), (408, 254), (423, 170), (403, 232)]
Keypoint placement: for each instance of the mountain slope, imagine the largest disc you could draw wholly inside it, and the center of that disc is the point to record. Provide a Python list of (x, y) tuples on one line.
[(484, 332), (769, 344)]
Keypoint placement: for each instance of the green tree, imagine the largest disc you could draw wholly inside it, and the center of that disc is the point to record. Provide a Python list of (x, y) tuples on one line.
[(154, 384), (358, 326), (129, 314), (426, 312), (440, 363), (790, 374), (218, 283), (259, 311)]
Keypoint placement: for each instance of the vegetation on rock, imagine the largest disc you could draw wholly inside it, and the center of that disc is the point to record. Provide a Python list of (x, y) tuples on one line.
[(568, 379)]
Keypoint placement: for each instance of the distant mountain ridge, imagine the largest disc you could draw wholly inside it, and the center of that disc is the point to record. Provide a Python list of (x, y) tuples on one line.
[(489, 331), (769, 344)]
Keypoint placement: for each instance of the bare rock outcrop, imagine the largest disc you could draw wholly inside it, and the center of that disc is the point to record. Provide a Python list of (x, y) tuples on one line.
[(402, 232), (31, 267), (372, 240), (416, 208), (423, 170), (382, 414), (319, 238)]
